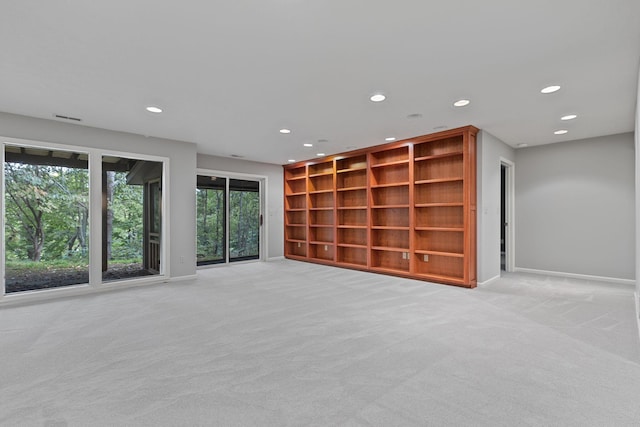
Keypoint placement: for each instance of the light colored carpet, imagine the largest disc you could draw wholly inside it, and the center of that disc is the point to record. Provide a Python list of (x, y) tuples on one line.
[(294, 344)]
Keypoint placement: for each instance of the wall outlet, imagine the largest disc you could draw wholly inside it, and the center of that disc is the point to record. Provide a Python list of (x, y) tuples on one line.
[(298, 244), (426, 258), (326, 248), (181, 260)]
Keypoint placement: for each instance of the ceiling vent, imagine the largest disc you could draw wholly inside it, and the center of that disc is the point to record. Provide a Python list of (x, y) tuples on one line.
[(73, 119)]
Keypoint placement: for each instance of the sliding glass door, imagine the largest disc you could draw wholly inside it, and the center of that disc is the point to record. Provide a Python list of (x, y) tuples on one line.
[(228, 220)]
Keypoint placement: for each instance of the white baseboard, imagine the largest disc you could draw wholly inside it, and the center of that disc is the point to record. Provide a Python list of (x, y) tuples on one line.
[(486, 282), (576, 276), (276, 258), (40, 295), (183, 278), (637, 298)]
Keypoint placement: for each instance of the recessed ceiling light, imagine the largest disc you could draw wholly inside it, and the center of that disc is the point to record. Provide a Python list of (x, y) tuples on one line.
[(550, 89), (378, 97), (322, 141), (350, 147), (308, 145), (461, 103), (291, 161), (439, 127), (285, 131), (569, 117), (523, 144), (320, 154), (414, 116), (154, 109), (561, 132), (390, 139)]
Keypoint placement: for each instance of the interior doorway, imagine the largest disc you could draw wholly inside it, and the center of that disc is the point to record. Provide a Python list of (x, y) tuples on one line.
[(506, 215)]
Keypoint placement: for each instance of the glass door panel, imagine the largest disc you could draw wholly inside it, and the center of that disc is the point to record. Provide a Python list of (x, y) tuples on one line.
[(211, 220), (244, 220)]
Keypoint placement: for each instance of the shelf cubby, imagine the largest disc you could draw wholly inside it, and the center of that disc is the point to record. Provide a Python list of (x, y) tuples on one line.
[(439, 192), (320, 234), (319, 169), (296, 232), (390, 196), (358, 162), (390, 238), (353, 198), (399, 155), (450, 242), (295, 202), (352, 217), (322, 251), (296, 217), (440, 168), (353, 236), (321, 200), (392, 217), (446, 267), (296, 173), (296, 248), (296, 186), (391, 261), (356, 256), (439, 217), (321, 183), (440, 147), (321, 217), (393, 174)]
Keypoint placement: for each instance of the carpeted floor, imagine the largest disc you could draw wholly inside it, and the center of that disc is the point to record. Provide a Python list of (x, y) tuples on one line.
[(295, 344)]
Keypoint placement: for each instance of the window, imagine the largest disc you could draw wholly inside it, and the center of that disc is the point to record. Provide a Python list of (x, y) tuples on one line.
[(132, 217), (46, 235), (47, 238)]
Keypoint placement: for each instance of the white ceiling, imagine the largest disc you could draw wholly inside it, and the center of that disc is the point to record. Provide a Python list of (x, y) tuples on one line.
[(230, 73)]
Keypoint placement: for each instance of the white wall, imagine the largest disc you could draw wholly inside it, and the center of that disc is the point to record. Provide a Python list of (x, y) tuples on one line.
[(575, 210), (490, 150), (182, 176), (275, 194)]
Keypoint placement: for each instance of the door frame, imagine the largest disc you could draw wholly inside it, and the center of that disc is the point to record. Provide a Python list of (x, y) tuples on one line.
[(264, 229), (509, 213)]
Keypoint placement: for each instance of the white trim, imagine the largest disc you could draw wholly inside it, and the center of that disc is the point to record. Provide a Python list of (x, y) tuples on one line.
[(95, 219), (2, 215), (637, 298), (510, 245), (49, 294), (276, 258), (183, 278), (576, 276), (486, 282)]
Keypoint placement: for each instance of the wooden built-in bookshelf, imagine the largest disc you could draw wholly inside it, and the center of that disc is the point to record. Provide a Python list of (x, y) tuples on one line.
[(405, 208)]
